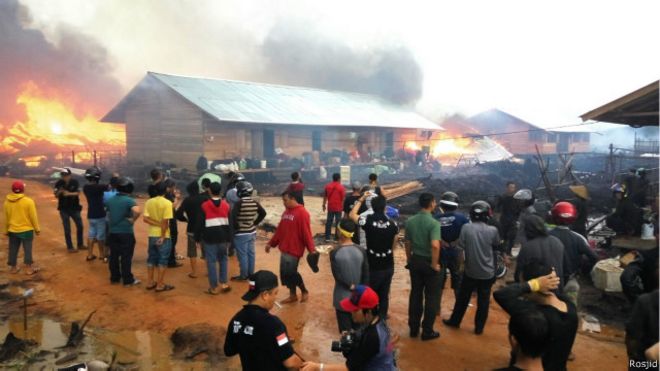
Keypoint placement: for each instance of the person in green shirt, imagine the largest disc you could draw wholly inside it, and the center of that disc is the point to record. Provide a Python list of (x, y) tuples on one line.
[(422, 253), (123, 212)]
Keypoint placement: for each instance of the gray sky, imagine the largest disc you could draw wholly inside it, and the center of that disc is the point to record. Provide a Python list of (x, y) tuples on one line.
[(546, 62)]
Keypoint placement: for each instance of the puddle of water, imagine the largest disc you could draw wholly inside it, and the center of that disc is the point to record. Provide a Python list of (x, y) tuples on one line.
[(146, 350)]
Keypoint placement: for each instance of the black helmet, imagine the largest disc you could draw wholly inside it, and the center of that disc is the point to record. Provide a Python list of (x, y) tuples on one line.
[(125, 185), (481, 211), (93, 173), (244, 189), (525, 196), (449, 199), (239, 177)]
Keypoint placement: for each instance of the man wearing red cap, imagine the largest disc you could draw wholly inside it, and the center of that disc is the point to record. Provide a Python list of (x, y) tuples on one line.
[(373, 347), (20, 225)]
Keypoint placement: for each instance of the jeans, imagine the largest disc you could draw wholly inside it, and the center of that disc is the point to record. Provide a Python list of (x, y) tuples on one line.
[(75, 215), (122, 246), (157, 255), (14, 245), (216, 253), (380, 282), (425, 294), (96, 229), (468, 285), (333, 219), (245, 252), (451, 258)]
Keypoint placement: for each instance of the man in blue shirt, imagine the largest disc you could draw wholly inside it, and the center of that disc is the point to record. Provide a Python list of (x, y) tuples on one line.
[(451, 222)]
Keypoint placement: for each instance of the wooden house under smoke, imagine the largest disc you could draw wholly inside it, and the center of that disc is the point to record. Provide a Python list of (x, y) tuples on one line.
[(175, 119), (521, 137)]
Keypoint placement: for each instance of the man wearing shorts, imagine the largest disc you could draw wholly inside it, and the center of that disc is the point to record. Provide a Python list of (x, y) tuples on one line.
[(292, 237), (157, 214), (94, 191)]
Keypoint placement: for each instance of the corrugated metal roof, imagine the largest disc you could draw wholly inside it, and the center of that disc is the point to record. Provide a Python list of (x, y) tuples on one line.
[(239, 101)]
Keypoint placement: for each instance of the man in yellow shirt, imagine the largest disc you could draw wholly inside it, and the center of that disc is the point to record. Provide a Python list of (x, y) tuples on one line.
[(157, 213), (20, 225)]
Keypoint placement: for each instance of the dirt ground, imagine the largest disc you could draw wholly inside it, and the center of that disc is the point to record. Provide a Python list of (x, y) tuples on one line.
[(69, 288)]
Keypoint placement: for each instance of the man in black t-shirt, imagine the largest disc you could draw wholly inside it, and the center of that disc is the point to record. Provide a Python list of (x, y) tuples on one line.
[(95, 214), (258, 337), (509, 214), (380, 233), (67, 191)]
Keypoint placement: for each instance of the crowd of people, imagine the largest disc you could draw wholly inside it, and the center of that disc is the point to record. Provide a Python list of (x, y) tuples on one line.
[(439, 242)]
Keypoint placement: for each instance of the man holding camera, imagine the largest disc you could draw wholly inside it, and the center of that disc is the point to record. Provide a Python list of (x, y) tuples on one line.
[(369, 348), (258, 337)]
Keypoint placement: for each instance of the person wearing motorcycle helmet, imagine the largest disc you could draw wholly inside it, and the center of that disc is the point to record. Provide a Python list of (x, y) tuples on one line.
[(526, 200), (246, 214), (231, 195), (94, 192), (575, 246), (478, 240), (451, 223), (123, 211), (67, 191), (626, 218)]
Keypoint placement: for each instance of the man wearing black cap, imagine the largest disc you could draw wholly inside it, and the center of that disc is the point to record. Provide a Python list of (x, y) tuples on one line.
[(67, 191), (258, 337)]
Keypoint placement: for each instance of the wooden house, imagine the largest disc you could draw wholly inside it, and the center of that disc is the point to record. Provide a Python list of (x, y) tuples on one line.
[(175, 119), (521, 137)]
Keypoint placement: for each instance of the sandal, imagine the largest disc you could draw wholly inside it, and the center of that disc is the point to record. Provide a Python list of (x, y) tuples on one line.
[(32, 271), (211, 292), (152, 286), (165, 288), (15, 270), (105, 260), (226, 289), (192, 275), (90, 258)]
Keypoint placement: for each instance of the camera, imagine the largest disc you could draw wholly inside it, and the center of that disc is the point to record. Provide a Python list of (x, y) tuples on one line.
[(347, 342)]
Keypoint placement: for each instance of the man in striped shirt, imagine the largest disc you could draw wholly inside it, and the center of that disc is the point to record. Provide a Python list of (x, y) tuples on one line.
[(245, 216)]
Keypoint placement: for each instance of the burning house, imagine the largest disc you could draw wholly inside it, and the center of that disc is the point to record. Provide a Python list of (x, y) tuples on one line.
[(521, 137), (175, 119)]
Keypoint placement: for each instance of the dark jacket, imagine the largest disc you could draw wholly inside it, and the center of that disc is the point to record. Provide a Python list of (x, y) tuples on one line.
[(575, 246), (541, 246)]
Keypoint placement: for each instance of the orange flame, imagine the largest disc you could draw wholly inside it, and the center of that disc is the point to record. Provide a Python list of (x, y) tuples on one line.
[(52, 120)]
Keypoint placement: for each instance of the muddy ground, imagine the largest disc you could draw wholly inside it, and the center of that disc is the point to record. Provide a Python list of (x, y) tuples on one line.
[(68, 288)]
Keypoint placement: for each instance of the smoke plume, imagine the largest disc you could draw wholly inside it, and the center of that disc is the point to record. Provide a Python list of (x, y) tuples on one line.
[(295, 53), (76, 68)]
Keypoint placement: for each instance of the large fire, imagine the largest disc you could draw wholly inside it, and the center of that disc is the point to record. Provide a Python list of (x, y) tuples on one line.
[(52, 127), (450, 148)]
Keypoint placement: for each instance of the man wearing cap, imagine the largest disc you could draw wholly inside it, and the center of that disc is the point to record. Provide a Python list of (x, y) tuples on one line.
[(67, 191), (349, 269), (292, 237), (258, 337), (374, 347), (20, 225)]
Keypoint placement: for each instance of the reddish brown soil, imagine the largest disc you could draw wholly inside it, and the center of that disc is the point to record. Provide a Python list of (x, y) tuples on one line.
[(69, 288)]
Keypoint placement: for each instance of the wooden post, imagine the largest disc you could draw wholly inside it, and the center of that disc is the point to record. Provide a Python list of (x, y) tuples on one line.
[(95, 161), (543, 169), (73, 158)]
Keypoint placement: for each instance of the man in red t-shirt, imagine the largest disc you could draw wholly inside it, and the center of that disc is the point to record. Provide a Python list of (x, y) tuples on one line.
[(293, 236), (333, 197)]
